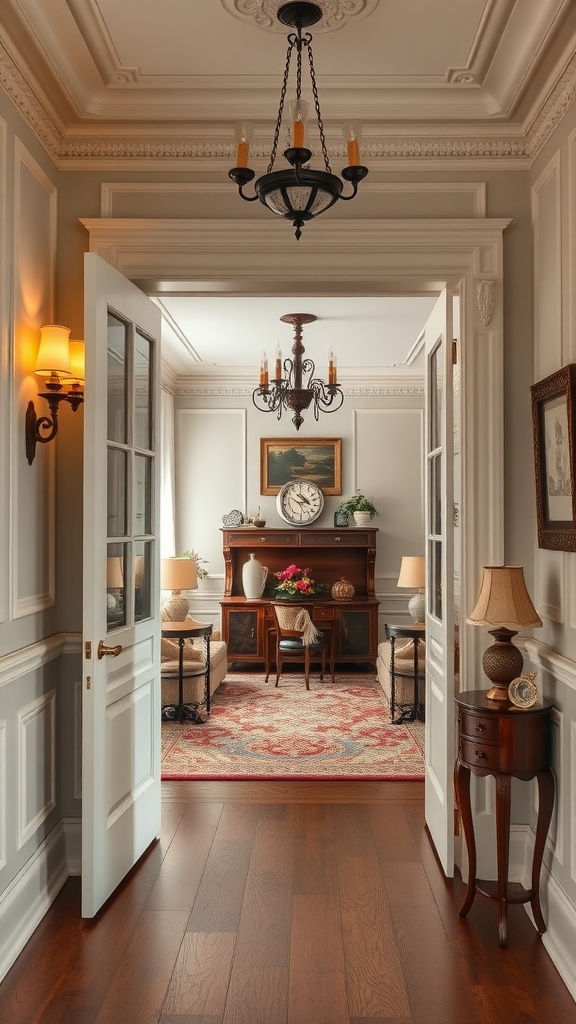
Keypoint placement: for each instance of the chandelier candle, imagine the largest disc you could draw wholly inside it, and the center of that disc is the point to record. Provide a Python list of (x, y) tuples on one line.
[(264, 372)]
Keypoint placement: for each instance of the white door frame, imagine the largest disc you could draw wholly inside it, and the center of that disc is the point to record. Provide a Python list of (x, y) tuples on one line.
[(375, 257)]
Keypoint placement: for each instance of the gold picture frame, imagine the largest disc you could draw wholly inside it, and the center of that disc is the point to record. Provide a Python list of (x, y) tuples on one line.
[(317, 459), (554, 425)]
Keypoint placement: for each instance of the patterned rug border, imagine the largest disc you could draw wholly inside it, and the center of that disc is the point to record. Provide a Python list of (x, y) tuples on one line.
[(365, 681)]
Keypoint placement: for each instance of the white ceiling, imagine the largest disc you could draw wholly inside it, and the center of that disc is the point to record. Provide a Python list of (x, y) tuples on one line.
[(230, 333), (157, 86)]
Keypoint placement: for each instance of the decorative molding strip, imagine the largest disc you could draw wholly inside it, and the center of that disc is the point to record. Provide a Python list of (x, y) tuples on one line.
[(20, 663), (3, 793), (74, 151), (560, 935), (563, 669), (486, 300), (191, 389)]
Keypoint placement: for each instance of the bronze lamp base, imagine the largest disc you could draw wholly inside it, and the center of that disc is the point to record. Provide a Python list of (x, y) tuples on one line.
[(502, 662)]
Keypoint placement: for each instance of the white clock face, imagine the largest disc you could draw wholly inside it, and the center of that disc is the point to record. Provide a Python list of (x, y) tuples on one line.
[(300, 502)]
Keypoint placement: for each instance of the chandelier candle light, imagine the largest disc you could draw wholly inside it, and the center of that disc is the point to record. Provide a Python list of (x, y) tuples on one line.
[(298, 193), (291, 391)]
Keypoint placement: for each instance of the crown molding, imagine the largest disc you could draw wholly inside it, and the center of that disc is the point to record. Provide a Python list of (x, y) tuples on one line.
[(134, 146)]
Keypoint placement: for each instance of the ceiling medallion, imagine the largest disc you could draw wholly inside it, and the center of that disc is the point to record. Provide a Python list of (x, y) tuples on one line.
[(264, 13)]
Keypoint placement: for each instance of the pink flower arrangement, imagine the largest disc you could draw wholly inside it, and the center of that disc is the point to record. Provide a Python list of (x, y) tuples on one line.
[(294, 580)]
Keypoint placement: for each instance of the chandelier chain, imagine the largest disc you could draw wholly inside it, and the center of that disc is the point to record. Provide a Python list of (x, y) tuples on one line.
[(291, 44), (318, 114)]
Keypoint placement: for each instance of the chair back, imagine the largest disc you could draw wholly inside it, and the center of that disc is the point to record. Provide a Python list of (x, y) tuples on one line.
[(295, 621)]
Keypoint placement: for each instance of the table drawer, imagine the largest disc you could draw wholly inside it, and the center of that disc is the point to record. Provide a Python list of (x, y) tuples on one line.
[(478, 754), (485, 727), (258, 539), (323, 613), (347, 538)]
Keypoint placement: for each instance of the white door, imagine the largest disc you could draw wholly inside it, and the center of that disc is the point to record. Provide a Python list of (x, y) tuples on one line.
[(121, 631), (439, 527)]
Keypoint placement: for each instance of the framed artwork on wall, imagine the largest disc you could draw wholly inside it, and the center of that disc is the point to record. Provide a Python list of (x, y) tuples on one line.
[(316, 459), (554, 424)]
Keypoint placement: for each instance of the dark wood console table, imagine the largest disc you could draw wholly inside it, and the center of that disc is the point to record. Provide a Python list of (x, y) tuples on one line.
[(496, 738), (330, 554)]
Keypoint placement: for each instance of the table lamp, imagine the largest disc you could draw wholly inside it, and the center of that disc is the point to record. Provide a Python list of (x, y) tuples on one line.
[(413, 574), (178, 574), (504, 604)]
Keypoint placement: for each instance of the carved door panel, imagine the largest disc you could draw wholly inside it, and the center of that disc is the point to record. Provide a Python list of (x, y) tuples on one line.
[(242, 633), (355, 633)]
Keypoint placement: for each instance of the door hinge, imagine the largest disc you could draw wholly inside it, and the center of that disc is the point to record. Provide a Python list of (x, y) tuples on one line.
[(454, 352), (88, 650), (88, 682), (456, 822)]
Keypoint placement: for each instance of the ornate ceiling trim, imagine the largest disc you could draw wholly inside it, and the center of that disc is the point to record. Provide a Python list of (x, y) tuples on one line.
[(188, 388), (264, 13), (75, 151)]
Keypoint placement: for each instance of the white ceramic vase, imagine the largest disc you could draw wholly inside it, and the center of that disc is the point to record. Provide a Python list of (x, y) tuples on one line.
[(254, 576), (361, 518)]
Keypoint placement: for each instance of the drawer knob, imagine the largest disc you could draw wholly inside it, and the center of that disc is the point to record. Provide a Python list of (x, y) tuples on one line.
[(480, 754), (480, 727), (262, 539), (337, 538)]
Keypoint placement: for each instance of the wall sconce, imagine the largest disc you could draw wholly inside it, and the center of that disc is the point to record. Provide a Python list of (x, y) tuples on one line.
[(61, 363)]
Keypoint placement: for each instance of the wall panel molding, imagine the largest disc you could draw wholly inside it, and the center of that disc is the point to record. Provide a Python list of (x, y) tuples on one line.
[(33, 493), (547, 233), (28, 659), (6, 373), (36, 729), (3, 794)]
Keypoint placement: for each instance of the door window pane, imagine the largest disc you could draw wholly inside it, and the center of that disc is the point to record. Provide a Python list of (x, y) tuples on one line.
[(142, 495), (117, 469), (142, 580), (142, 391), (116, 341), (115, 585)]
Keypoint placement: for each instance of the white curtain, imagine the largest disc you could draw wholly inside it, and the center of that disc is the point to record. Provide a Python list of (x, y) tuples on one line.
[(167, 466)]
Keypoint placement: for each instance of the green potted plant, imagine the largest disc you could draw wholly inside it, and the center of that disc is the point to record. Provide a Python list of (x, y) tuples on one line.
[(360, 507)]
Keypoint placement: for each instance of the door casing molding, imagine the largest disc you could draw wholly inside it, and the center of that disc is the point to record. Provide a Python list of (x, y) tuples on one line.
[(376, 257)]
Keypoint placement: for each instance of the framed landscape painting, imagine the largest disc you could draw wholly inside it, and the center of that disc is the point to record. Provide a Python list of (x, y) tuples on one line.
[(316, 459), (554, 424)]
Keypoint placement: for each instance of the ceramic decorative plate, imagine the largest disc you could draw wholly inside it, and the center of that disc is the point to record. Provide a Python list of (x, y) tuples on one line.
[(233, 518), (523, 691)]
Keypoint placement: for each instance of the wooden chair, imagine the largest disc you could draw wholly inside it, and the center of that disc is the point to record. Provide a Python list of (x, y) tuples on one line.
[(297, 639)]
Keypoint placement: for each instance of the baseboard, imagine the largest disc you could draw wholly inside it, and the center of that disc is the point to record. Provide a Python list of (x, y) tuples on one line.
[(559, 912), (30, 894)]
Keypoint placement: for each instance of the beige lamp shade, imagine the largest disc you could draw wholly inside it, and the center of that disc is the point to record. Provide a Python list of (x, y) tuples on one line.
[(503, 603), (77, 362), (53, 359), (412, 572), (178, 574), (503, 600)]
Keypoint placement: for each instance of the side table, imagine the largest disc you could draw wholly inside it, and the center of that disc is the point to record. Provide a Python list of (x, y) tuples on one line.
[(416, 631), (496, 738), (182, 631)]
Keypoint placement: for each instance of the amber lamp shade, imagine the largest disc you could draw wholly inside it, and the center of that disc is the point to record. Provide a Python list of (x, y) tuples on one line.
[(504, 604)]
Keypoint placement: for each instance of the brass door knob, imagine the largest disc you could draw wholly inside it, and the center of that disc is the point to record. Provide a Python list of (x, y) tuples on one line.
[(112, 651)]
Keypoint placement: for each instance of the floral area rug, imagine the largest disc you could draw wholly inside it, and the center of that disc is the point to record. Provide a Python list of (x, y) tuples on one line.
[(339, 730)]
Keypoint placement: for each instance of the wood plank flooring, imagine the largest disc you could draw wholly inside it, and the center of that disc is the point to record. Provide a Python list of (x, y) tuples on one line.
[(285, 903)]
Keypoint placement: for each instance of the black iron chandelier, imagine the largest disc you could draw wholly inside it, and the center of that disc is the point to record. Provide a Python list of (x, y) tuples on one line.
[(298, 193), (288, 388)]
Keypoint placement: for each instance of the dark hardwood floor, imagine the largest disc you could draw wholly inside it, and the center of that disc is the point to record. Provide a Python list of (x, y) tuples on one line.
[(285, 903)]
